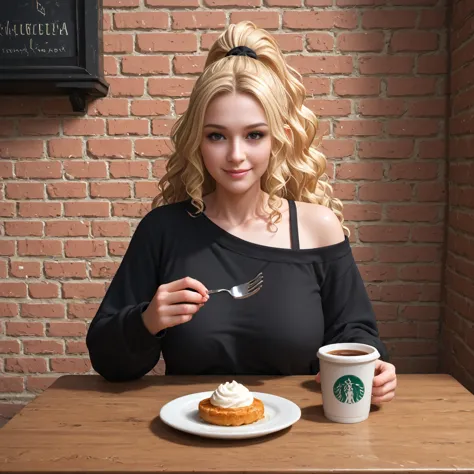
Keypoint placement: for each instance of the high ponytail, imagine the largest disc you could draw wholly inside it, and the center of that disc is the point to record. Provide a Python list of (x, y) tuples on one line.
[(297, 170)]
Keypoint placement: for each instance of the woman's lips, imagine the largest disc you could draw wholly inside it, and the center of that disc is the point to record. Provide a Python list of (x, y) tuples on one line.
[(237, 173)]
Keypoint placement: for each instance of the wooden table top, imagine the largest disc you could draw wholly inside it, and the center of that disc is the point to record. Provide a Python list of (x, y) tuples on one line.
[(85, 424)]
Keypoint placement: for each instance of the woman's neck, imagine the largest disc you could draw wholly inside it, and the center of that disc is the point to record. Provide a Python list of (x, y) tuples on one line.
[(236, 209)]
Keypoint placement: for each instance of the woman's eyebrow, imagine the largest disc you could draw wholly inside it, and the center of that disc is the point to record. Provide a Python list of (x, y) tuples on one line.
[(221, 127)]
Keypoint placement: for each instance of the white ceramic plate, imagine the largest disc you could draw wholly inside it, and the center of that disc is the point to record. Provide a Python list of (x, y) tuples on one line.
[(182, 414)]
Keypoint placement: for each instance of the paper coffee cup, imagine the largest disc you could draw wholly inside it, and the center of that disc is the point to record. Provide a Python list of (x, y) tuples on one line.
[(346, 381)]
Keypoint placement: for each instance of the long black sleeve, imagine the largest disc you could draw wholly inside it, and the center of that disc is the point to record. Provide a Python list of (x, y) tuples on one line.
[(120, 346), (348, 312)]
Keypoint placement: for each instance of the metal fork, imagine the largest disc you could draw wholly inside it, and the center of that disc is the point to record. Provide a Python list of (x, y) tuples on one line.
[(243, 290)]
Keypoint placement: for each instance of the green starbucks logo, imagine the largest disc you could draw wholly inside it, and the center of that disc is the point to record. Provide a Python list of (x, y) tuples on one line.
[(349, 389)]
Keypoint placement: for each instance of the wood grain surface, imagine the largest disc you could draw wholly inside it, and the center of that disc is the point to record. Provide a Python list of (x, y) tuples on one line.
[(85, 424)]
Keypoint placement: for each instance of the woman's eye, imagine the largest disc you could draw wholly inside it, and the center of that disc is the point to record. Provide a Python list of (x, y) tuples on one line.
[(215, 136)]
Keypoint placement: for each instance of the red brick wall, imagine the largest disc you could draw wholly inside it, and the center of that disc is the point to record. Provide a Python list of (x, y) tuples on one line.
[(458, 327), (73, 188)]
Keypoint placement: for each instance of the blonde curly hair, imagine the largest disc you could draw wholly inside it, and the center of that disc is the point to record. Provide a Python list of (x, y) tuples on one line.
[(297, 170)]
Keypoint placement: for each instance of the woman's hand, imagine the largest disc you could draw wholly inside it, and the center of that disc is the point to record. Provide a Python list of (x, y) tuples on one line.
[(385, 382), (174, 303)]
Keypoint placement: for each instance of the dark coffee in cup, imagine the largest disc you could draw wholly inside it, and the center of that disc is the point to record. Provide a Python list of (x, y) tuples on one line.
[(347, 352)]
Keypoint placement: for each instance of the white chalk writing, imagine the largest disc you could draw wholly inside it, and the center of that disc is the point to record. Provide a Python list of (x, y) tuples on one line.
[(33, 48), (13, 30)]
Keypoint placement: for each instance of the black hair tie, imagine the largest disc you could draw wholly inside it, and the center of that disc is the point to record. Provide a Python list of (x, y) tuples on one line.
[(242, 51)]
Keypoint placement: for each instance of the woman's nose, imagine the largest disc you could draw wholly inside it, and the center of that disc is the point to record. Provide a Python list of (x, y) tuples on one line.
[(237, 151)]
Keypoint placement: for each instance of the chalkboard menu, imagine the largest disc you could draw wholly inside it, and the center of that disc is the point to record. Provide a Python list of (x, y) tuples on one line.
[(52, 47), (38, 28)]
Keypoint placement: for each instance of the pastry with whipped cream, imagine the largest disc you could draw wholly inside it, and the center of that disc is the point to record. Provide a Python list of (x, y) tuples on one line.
[(231, 404)]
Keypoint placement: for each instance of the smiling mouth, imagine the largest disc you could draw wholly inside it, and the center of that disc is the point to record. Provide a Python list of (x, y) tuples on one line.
[(236, 171)]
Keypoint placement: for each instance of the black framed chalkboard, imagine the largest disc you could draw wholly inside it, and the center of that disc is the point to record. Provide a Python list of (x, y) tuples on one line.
[(52, 46), (38, 29)]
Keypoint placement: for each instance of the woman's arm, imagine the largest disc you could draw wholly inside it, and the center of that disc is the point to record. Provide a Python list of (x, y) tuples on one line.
[(120, 346), (348, 312)]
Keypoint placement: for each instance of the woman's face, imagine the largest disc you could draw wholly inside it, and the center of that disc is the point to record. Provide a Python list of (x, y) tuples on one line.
[(236, 142)]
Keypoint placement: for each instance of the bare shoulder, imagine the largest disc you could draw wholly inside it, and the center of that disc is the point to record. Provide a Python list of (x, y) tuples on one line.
[(318, 226)]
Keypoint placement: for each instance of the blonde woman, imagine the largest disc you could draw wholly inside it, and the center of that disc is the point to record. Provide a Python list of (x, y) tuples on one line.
[(245, 192)]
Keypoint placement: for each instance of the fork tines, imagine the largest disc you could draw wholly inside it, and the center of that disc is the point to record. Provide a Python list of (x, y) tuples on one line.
[(256, 282)]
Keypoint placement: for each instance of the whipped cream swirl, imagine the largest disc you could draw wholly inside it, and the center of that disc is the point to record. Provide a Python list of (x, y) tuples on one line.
[(231, 395)]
